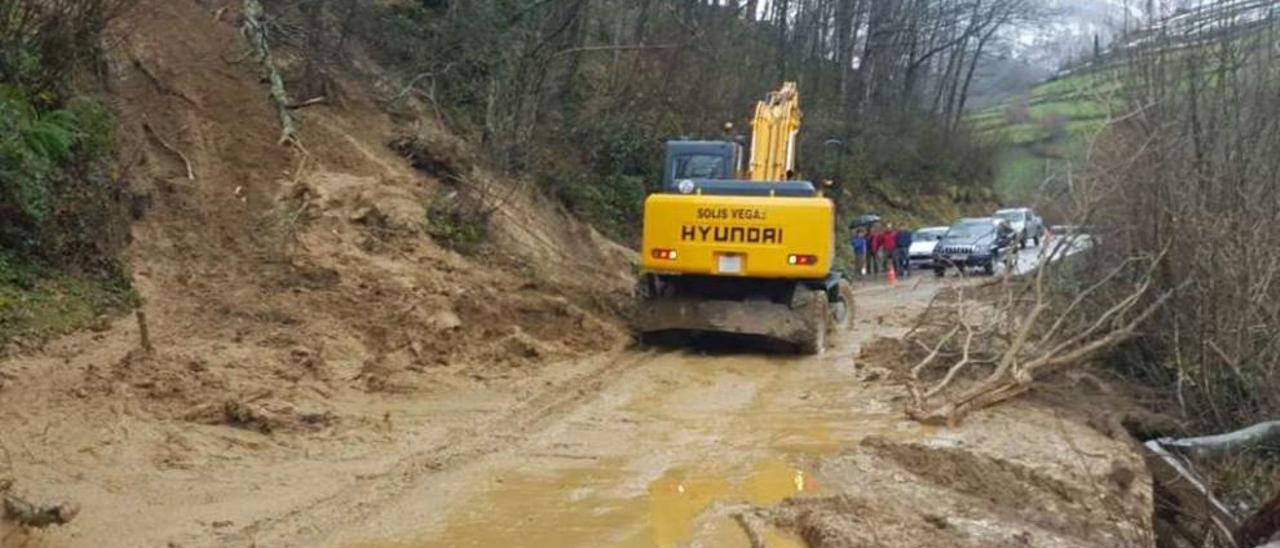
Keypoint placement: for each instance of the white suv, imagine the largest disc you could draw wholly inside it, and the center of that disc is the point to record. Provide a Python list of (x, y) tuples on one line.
[(1025, 223)]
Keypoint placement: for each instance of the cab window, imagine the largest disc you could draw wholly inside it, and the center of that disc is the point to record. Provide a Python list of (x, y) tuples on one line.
[(699, 166)]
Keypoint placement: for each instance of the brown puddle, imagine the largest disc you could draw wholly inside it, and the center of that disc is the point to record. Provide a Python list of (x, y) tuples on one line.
[(667, 465), (677, 499), (582, 507)]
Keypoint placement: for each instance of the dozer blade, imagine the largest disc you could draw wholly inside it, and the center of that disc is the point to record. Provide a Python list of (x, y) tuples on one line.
[(804, 326)]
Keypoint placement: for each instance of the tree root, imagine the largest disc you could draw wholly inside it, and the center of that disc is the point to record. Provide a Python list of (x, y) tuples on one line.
[(191, 174)]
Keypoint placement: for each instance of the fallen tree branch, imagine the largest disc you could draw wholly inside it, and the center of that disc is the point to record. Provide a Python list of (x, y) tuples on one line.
[(309, 102), (1028, 339), (1190, 493), (752, 527), (965, 360), (621, 47), (1254, 437), (933, 353), (255, 30)]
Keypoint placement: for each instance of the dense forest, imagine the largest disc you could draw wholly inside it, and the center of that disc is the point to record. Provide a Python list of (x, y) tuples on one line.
[(580, 95)]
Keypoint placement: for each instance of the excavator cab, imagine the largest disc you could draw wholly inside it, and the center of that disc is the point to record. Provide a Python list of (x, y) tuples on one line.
[(716, 167), (700, 160), (731, 244)]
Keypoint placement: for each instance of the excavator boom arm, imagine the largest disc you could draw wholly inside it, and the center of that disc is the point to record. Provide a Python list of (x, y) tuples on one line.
[(773, 135)]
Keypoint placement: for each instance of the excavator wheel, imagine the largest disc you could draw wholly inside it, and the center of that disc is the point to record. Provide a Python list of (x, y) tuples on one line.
[(813, 306), (842, 307)]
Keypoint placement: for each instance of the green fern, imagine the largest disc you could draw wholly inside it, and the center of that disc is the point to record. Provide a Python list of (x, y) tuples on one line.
[(37, 147)]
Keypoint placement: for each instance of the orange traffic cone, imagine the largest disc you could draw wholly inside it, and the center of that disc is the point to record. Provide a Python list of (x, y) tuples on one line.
[(893, 275)]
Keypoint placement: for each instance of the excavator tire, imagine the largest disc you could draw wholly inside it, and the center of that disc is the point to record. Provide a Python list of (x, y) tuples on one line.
[(842, 307), (813, 307), (803, 322)]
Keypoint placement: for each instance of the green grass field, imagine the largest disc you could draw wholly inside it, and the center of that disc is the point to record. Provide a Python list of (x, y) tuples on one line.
[(1046, 132)]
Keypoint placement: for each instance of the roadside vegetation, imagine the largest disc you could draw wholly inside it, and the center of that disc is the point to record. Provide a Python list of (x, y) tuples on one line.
[(579, 97), (1044, 135), (1165, 151), (61, 218), (1169, 154), (1191, 174)]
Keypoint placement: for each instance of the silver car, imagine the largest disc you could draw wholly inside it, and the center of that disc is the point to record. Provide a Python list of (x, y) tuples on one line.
[(1025, 223), (920, 254)]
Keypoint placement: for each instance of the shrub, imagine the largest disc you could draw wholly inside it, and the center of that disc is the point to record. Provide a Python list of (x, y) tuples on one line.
[(45, 159), (1200, 187), (43, 42), (458, 223)]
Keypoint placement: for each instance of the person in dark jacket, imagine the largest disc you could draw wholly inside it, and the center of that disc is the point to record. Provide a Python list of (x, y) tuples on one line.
[(860, 247), (902, 252), (873, 251)]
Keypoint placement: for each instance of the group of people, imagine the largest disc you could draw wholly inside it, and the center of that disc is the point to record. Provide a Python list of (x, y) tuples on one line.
[(876, 251)]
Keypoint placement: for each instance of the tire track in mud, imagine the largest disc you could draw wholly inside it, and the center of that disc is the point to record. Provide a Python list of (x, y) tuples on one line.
[(369, 498), (508, 430)]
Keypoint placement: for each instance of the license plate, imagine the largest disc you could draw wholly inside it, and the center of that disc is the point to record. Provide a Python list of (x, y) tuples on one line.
[(730, 264), (958, 258)]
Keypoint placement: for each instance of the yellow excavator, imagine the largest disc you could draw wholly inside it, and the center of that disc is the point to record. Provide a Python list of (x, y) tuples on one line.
[(738, 245)]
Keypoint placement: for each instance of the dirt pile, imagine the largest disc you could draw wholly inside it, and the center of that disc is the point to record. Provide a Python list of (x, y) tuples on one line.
[(969, 487), (1043, 471), (287, 293), (329, 247), (326, 254)]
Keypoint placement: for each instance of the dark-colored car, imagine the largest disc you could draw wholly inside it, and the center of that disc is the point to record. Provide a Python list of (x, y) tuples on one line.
[(979, 242)]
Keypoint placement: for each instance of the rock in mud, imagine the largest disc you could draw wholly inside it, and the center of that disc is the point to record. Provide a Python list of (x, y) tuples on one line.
[(444, 320)]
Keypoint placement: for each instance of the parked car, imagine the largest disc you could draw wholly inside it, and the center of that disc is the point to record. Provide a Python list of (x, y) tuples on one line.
[(1025, 223), (920, 254), (978, 242)]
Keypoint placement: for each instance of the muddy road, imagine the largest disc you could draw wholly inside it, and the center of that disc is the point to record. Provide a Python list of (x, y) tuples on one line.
[(661, 452), (669, 450), (636, 447)]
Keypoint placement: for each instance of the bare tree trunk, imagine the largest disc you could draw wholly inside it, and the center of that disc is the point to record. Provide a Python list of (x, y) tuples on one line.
[(958, 115), (953, 86), (1254, 437), (255, 31)]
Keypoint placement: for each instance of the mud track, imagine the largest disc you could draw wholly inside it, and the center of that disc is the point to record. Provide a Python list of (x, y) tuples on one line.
[(632, 448), (720, 445), (514, 427)]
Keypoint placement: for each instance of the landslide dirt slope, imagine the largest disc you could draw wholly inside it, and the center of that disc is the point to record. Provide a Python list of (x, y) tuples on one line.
[(296, 303)]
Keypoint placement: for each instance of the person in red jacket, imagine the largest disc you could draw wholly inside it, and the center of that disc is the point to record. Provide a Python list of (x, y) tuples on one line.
[(887, 244)]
